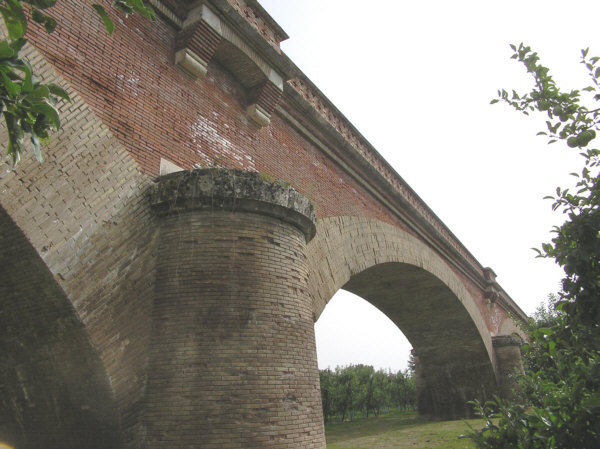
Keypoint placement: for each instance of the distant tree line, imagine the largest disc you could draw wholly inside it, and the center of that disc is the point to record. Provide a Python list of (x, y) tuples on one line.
[(358, 390)]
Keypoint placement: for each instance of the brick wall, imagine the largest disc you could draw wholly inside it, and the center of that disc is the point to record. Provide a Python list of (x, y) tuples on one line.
[(155, 110), (84, 211), (86, 214), (54, 391)]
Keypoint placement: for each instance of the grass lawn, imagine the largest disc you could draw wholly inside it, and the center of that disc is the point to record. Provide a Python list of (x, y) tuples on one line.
[(397, 431)]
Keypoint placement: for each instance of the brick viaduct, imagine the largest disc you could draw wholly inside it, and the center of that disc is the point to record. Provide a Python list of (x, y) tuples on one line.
[(148, 311)]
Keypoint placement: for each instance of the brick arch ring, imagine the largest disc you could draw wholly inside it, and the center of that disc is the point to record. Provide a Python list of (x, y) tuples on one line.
[(443, 316), (345, 246)]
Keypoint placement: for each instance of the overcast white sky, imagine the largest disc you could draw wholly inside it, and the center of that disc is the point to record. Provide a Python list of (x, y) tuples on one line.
[(416, 79)]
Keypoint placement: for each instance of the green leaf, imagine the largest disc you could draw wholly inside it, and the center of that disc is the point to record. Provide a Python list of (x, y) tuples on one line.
[(124, 6), (48, 22), (14, 19), (140, 7), (108, 23), (15, 137), (593, 401), (28, 81), (55, 89), (18, 44), (42, 4), (35, 143), (39, 93), (6, 50), (49, 113), (546, 331), (12, 89)]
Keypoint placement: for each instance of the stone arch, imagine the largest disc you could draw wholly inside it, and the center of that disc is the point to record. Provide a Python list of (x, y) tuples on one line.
[(54, 391), (419, 292)]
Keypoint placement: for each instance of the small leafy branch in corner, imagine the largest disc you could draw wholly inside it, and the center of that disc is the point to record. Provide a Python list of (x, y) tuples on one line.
[(27, 105), (560, 389), (577, 244), (568, 118)]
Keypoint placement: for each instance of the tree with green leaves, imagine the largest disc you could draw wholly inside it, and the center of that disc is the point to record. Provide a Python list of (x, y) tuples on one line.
[(27, 105), (326, 380), (560, 390), (359, 390)]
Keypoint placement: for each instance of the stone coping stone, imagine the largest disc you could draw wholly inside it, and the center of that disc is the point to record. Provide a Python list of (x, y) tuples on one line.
[(499, 341), (234, 191)]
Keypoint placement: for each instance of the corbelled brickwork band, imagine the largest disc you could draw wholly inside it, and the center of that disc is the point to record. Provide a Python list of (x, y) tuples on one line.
[(233, 357)]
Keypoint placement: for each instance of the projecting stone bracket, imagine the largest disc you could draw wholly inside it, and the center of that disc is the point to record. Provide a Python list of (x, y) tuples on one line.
[(492, 289), (205, 36), (258, 115), (491, 294), (191, 63), (198, 41)]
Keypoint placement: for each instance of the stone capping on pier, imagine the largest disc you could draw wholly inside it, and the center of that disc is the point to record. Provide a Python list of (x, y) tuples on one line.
[(232, 191), (500, 341)]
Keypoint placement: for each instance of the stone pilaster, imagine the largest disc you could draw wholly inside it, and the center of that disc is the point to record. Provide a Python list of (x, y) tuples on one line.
[(507, 354), (445, 386), (233, 358)]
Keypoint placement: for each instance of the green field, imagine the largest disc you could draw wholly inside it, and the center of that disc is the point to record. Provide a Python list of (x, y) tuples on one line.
[(398, 431)]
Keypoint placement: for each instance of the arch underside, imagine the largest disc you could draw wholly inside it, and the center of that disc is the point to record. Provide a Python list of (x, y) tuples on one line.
[(53, 389), (411, 285), (453, 364)]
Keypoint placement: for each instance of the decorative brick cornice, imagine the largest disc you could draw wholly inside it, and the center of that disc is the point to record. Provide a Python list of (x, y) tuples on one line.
[(261, 21), (325, 117), (330, 117)]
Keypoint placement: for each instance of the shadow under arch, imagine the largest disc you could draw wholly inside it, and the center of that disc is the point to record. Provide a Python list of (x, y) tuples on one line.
[(421, 294), (53, 388)]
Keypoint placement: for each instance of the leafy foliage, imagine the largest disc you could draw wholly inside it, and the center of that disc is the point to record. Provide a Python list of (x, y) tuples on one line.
[(27, 105), (560, 390), (354, 389)]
